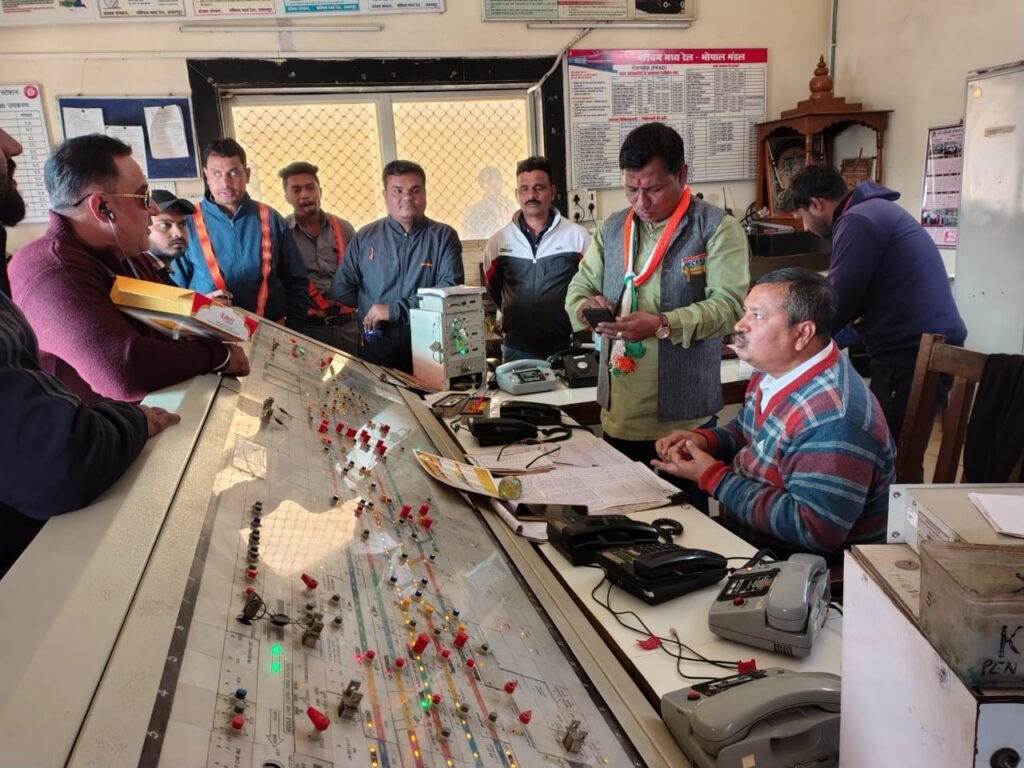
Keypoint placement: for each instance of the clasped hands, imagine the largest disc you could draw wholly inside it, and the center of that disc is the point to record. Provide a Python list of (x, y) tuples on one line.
[(683, 453), (636, 326)]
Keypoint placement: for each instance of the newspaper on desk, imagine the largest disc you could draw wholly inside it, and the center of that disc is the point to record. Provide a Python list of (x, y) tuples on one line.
[(582, 471)]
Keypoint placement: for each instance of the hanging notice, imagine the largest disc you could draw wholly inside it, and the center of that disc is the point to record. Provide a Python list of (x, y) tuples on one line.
[(940, 198), (77, 11), (541, 10), (714, 97), (143, 9), (46, 11), (21, 115)]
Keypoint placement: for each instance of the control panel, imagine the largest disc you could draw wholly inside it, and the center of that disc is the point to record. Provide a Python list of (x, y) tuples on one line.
[(343, 610)]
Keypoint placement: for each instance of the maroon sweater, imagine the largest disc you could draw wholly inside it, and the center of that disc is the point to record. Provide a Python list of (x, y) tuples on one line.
[(63, 288)]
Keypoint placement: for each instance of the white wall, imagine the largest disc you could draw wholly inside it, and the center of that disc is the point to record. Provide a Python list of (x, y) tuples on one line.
[(149, 58), (913, 56)]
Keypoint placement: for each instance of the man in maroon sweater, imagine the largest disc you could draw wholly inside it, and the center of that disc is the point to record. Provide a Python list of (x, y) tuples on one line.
[(100, 211)]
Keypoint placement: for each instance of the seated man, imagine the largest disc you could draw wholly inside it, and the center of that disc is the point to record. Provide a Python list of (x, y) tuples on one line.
[(806, 465), (56, 454), (390, 259), (100, 210)]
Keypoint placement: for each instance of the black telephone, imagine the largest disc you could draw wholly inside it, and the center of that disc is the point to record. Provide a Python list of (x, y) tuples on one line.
[(658, 572), (540, 414), (577, 366), (580, 538), (501, 431)]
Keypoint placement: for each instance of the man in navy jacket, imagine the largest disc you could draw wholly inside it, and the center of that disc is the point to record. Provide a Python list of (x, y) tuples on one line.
[(887, 272)]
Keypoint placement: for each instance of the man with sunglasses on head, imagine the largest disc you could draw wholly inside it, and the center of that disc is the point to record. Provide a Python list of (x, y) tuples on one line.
[(241, 247), (100, 211)]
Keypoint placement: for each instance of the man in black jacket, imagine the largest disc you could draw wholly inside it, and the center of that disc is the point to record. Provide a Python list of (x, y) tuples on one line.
[(56, 454)]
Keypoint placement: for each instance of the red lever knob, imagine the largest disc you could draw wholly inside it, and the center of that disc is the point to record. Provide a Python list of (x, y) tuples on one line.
[(319, 720)]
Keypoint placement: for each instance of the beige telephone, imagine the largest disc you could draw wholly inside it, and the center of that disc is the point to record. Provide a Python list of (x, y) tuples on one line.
[(770, 718)]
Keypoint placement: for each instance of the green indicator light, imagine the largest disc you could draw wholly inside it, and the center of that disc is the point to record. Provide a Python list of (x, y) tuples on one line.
[(275, 650), (275, 668), (275, 659)]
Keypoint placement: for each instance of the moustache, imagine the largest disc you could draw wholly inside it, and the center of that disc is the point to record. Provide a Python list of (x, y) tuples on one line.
[(177, 242), (738, 338)]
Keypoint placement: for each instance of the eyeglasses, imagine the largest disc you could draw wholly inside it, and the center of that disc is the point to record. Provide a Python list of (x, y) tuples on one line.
[(146, 197)]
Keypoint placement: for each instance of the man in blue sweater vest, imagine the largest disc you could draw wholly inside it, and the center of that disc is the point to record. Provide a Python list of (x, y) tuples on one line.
[(807, 463), (887, 272)]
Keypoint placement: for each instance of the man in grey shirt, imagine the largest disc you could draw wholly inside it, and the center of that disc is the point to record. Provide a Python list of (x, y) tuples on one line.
[(321, 238), (390, 259)]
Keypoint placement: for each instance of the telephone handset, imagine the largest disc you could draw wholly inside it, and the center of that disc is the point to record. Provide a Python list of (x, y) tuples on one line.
[(580, 538), (771, 718), (522, 377), (778, 606), (541, 414)]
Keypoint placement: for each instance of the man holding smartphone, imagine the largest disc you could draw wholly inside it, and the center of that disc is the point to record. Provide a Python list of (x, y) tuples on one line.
[(671, 271)]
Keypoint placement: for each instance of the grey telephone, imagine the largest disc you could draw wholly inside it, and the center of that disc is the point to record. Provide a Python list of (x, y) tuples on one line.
[(778, 606), (770, 718)]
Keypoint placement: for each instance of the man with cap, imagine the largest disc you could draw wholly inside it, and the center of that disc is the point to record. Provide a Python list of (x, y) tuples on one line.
[(168, 238)]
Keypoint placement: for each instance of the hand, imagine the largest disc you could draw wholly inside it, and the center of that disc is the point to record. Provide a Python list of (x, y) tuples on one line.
[(157, 419), (636, 326), (238, 362), (224, 297), (596, 302), (669, 441), (685, 460), (377, 314)]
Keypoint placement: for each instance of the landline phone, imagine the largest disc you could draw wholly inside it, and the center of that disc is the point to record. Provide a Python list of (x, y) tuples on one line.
[(656, 572), (769, 718), (778, 606), (541, 414), (577, 366), (580, 538), (524, 377)]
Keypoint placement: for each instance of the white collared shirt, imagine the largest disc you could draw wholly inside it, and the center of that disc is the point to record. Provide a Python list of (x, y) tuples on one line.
[(771, 386)]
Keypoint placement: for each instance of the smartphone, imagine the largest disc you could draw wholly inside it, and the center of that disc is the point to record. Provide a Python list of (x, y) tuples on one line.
[(542, 512), (595, 315)]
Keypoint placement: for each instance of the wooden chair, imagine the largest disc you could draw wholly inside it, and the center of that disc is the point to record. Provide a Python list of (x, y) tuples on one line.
[(934, 358)]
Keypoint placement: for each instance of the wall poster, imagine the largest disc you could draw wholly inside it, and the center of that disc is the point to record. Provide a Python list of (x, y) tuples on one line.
[(590, 10), (714, 97), (21, 115), (940, 195)]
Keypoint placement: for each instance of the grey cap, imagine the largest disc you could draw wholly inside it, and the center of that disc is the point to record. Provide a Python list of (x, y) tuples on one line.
[(165, 199)]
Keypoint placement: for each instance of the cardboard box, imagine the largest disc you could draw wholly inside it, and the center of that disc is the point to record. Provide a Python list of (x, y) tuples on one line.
[(180, 312)]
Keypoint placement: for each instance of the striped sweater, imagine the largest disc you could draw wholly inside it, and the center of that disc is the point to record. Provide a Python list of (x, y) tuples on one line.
[(811, 467)]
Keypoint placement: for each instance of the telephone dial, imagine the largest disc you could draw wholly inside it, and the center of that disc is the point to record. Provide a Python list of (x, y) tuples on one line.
[(769, 718), (656, 572), (778, 606), (577, 366)]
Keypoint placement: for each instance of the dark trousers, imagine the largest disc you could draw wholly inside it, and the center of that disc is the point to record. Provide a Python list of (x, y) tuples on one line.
[(644, 451), (890, 384), (343, 334)]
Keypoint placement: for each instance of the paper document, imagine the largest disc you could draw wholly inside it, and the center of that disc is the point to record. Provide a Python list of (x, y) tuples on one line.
[(1004, 512), (81, 122), (133, 136), (465, 477), (166, 129)]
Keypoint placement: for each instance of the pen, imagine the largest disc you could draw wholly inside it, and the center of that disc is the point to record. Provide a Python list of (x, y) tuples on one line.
[(569, 464)]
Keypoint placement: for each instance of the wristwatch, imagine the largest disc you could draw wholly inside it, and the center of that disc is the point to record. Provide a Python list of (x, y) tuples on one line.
[(663, 331)]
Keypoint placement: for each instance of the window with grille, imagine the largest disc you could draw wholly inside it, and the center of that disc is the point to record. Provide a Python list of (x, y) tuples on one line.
[(467, 144)]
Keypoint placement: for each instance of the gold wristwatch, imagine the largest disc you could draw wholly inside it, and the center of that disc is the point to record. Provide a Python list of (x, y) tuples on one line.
[(663, 331)]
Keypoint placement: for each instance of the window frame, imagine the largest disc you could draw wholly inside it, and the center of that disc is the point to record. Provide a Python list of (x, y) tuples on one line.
[(212, 81)]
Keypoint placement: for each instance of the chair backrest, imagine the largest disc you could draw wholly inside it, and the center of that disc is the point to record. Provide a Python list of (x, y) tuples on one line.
[(934, 358)]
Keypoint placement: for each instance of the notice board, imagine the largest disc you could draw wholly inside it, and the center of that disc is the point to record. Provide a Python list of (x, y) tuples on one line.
[(158, 128), (21, 115), (714, 97)]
